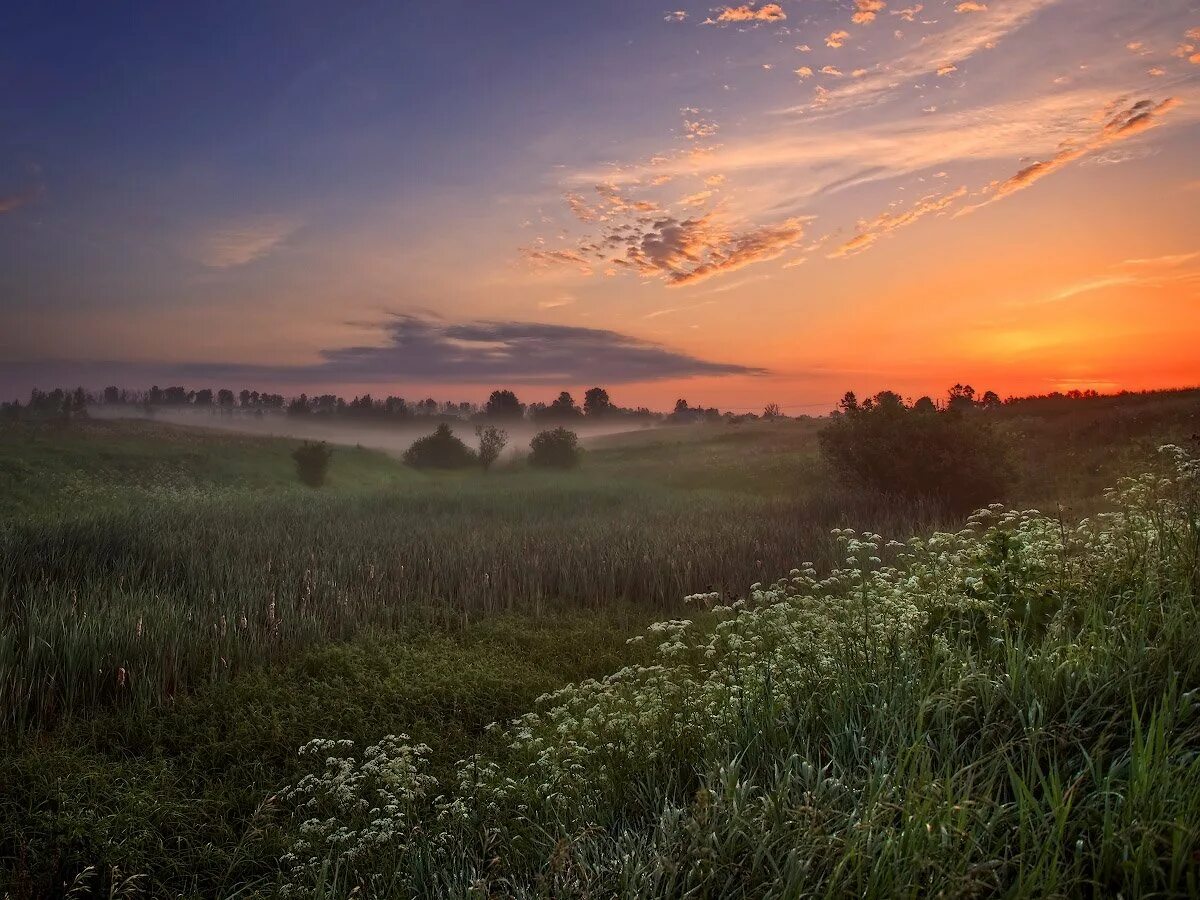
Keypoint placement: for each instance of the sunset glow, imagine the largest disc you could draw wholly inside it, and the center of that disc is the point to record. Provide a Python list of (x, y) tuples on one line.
[(734, 204)]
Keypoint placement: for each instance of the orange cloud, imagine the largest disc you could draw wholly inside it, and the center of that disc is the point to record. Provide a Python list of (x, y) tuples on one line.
[(970, 6), (1121, 124), (768, 12), (866, 10), (885, 224), (836, 39)]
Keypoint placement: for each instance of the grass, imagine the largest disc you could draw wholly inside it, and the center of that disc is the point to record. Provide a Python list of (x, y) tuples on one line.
[(178, 615)]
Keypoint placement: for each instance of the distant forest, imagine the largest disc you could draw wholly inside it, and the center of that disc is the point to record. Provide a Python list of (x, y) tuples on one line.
[(502, 405)]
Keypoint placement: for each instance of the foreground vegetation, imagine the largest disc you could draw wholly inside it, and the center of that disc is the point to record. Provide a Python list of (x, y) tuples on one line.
[(178, 613), (1012, 708)]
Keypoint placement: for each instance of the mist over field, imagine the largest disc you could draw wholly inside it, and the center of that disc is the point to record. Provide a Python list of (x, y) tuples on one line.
[(391, 437)]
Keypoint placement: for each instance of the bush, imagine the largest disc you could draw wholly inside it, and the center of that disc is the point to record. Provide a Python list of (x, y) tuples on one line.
[(492, 441), (556, 449), (312, 462), (440, 450), (956, 455)]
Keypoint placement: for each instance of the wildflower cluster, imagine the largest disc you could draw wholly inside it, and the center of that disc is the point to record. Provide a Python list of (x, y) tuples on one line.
[(356, 812)]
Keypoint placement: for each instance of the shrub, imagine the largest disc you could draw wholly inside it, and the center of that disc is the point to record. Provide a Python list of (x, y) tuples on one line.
[(955, 455), (556, 449), (312, 462), (440, 450), (492, 441)]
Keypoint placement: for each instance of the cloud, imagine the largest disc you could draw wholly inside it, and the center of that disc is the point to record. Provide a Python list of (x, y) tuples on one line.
[(885, 224), (768, 12), (908, 14), (970, 6), (1153, 272), (947, 70), (836, 39), (951, 46), (13, 202), (239, 243), (425, 350), (804, 72), (831, 70), (678, 15), (544, 259), (494, 351), (691, 250), (866, 10), (1169, 261), (1122, 123)]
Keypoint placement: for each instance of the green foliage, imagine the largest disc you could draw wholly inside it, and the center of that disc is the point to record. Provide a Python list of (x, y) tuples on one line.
[(555, 449), (176, 793), (956, 456), (492, 441), (440, 450), (839, 734), (312, 462)]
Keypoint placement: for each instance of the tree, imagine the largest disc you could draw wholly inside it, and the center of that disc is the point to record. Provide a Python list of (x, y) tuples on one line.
[(440, 450), (961, 396), (596, 403), (312, 462), (772, 411), (492, 441), (562, 409), (504, 405), (225, 397), (556, 449), (204, 397), (881, 444), (112, 394)]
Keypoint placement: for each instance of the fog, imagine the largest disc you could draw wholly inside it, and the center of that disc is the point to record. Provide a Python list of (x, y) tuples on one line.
[(391, 437)]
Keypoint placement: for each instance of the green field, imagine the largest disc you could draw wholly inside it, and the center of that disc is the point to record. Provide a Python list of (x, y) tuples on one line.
[(180, 615)]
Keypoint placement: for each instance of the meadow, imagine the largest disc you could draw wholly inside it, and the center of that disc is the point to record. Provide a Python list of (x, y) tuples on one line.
[(179, 615)]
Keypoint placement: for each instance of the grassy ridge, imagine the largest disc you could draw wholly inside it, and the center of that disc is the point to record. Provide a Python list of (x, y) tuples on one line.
[(1012, 709)]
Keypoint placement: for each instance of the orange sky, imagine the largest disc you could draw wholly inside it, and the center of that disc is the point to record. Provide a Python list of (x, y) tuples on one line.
[(735, 205)]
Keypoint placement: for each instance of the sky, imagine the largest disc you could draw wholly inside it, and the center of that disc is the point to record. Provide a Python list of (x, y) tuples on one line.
[(733, 204)]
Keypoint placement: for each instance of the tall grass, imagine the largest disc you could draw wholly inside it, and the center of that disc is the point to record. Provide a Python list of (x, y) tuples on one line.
[(1008, 710), (146, 594)]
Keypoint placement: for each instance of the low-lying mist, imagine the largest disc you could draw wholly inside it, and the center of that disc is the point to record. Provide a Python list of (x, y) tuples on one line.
[(391, 437)]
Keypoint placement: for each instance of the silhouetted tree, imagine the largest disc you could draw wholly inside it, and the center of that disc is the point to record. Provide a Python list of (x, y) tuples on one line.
[(440, 450), (596, 403), (952, 456), (504, 405), (492, 441), (557, 449), (312, 462)]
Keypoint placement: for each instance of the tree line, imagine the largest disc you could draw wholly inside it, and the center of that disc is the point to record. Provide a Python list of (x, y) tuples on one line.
[(502, 406)]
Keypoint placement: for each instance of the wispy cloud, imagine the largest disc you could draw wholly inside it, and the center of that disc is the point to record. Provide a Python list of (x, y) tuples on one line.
[(884, 224), (242, 242), (14, 201), (951, 46), (1122, 123)]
